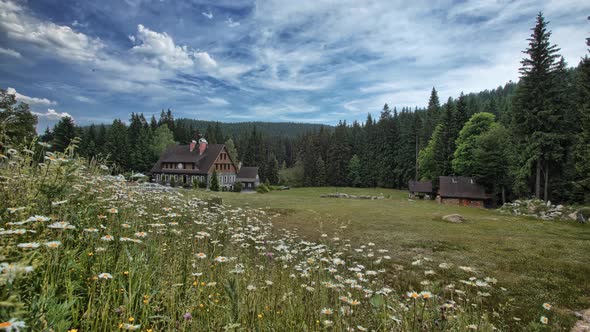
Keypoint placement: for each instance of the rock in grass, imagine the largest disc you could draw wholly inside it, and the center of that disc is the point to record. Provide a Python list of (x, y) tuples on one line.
[(454, 218)]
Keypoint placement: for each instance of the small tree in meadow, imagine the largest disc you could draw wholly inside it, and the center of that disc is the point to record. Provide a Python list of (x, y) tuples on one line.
[(214, 185)]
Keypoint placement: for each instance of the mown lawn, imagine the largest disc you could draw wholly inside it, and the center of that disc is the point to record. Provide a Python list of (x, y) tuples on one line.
[(536, 261)]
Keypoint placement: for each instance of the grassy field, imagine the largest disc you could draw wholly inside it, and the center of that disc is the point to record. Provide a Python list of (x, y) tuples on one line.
[(536, 261), (81, 250)]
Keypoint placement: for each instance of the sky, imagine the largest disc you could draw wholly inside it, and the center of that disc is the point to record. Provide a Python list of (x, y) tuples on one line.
[(311, 61)]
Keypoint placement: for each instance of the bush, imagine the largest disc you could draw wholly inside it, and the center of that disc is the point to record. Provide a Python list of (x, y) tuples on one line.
[(238, 187), (262, 189)]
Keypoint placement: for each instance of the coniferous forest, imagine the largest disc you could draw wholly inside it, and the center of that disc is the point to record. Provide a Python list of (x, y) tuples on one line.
[(524, 139)]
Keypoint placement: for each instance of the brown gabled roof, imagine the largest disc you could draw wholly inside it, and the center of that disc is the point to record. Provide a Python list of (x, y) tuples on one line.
[(460, 187), (420, 186), (247, 173), (182, 154)]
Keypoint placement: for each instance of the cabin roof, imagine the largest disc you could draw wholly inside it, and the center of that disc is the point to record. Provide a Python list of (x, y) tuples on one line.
[(183, 154), (461, 187), (247, 173), (420, 186)]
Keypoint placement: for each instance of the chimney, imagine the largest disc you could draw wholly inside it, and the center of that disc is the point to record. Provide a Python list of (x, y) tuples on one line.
[(192, 145), (202, 146)]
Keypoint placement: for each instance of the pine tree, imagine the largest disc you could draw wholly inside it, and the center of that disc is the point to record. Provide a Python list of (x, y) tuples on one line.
[(444, 142), (354, 171), (272, 172), (101, 139), (535, 115), (387, 139), (320, 167), (117, 145), (231, 150), (431, 116), (63, 133), (338, 153), (210, 134), (582, 146), (218, 133)]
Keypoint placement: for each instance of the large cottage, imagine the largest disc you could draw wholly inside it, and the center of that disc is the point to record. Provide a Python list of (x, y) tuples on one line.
[(185, 165)]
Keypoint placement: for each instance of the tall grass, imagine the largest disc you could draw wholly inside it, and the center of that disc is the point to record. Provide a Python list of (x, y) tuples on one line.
[(82, 250)]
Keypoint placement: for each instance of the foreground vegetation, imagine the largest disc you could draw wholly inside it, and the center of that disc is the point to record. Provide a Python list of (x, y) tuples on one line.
[(83, 250)]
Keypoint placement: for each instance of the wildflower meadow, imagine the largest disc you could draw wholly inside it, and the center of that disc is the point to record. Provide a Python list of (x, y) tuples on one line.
[(81, 250)]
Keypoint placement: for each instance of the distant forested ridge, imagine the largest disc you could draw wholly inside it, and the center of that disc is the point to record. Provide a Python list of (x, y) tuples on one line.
[(526, 138)]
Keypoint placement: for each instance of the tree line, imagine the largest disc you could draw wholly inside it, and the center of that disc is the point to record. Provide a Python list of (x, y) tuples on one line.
[(530, 138)]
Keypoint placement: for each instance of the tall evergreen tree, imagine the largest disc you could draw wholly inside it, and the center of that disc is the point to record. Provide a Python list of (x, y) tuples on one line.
[(582, 146), (63, 133), (536, 118), (354, 171), (431, 116), (338, 153), (117, 146)]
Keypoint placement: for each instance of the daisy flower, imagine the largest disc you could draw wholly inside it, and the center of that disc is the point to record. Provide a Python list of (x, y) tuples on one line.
[(201, 255), (105, 275), (28, 245), (12, 325), (546, 306), (413, 294), (221, 259), (327, 311), (113, 211), (107, 238), (544, 320), (61, 225), (141, 234), (52, 244)]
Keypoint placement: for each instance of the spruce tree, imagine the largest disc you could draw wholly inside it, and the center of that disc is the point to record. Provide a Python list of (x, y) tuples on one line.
[(117, 146), (354, 171), (63, 133), (431, 116), (582, 147), (536, 117)]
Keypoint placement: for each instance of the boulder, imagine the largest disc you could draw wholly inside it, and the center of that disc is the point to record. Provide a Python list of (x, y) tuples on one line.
[(573, 216), (454, 218)]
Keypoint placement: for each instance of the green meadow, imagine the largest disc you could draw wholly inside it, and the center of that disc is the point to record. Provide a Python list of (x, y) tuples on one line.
[(536, 261)]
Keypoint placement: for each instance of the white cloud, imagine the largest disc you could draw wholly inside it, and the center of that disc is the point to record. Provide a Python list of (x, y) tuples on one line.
[(85, 99), (231, 23), (160, 48), (10, 52), (52, 114), (52, 38), (78, 24), (208, 15), (30, 100), (205, 59), (217, 101)]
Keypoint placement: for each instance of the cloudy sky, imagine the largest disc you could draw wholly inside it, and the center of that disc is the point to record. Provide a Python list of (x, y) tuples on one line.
[(229, 60)]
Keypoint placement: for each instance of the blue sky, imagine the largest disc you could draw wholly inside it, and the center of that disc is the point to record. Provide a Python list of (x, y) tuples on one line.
[(229, 60)]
